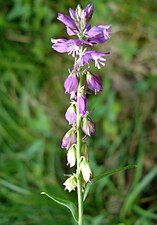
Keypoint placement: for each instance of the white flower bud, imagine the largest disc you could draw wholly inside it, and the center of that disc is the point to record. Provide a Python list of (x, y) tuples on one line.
[(78, 12), (85, 169), (71, 156), (71, 183)]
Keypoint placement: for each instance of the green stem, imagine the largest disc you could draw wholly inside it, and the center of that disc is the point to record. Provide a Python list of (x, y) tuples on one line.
[(79, 144)]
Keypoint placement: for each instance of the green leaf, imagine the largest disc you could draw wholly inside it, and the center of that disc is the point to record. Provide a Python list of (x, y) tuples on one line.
[(101, 176), (137, 190), (144, 213), (70, 205)]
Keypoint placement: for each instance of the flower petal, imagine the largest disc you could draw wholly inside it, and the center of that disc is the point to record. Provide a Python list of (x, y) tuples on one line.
[(66, 20)]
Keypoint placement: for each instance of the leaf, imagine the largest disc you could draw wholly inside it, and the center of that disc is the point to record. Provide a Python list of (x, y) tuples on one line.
[(144, 213), (137, 190), (14, 187), (140, 155), (101, 176), (70, 205)]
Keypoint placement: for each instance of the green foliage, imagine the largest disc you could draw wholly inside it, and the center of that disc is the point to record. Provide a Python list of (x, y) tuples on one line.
[(68, 204), (32, 107)]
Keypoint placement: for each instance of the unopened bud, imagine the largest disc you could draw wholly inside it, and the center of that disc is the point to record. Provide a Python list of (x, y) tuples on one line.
[(78, 12), (88, 126), (71, 156), (82, 102), (69, 139), (93, 82), (89, 11), (85, 169), (70, 114), (71, 83)]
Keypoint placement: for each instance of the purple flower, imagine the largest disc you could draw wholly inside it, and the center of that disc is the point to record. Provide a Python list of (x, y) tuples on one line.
[(63, 45), (89, 11), (97, 30), (60, 45), (72, 31), (82, 104), (88, 126), (71, 83), (98, 58), (93, 82), (94, 55), (69, 139), (99, 39), (66, 20), (70, 114)]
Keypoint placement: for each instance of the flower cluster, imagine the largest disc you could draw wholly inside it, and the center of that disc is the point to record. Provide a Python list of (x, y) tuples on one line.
[(79, 82)]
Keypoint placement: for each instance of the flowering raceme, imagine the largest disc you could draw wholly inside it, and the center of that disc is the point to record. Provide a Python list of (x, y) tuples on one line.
[(78, 84), (78, 80)]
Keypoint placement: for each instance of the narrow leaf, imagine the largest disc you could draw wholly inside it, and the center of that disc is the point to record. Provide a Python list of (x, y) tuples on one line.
[(137, 190), (101, 176), (14, 187), (70, 205), (145, 213)]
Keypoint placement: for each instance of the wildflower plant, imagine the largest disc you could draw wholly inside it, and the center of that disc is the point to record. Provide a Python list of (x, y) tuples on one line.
[(78, 84)]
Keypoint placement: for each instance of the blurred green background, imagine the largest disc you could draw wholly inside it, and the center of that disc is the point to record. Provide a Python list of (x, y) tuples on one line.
[(33, 103)]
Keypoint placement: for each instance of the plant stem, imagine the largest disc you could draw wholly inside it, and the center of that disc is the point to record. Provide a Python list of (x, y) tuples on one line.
[(79, 144)]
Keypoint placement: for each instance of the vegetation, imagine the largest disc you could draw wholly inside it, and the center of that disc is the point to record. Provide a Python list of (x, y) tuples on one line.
[(32, 105)]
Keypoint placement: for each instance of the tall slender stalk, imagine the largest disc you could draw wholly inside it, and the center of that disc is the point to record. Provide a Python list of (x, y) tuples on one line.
[(78, 156)]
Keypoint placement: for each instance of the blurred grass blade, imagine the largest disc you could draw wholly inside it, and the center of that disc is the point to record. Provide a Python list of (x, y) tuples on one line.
[(145, 213), (70, 205), (17, 11), (101, 176), (137, 190), (140, 156), (13, 187)]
